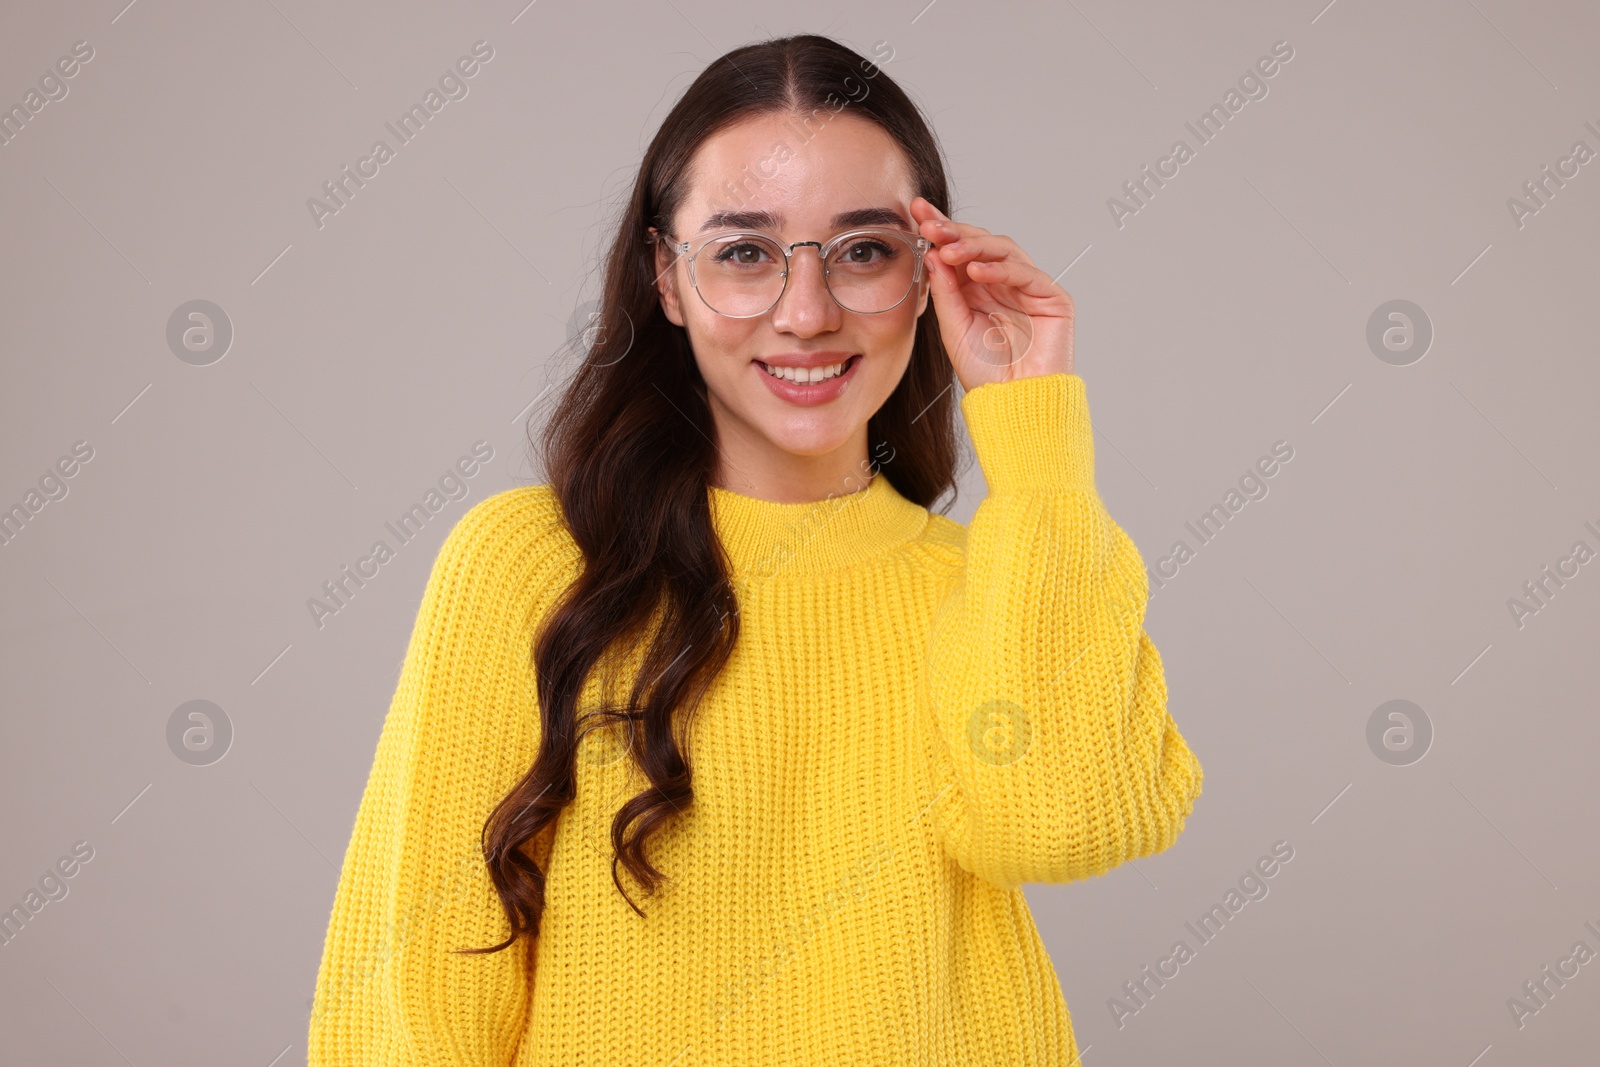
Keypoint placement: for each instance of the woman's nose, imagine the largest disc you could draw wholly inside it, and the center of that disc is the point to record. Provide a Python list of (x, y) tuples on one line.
[(806, 304)]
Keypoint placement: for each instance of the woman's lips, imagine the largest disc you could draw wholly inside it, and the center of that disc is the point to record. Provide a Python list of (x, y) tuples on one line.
[(812, 393)]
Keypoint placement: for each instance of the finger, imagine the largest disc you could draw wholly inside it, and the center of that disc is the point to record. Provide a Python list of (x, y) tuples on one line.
[(939, 227), (949, 301), (984, 246), (922, 208), (943, 231), (1024, 277), (937, 215)]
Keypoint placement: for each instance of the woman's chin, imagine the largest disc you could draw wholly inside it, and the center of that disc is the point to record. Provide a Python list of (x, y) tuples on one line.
[(809, 446)]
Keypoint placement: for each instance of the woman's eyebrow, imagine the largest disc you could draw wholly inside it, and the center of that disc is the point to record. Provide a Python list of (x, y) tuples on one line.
[(768, 220)]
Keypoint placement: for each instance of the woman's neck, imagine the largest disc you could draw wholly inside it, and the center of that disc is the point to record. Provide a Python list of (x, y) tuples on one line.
[(753, 466)]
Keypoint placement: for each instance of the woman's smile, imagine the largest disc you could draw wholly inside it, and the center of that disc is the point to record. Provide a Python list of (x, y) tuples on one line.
[(808, 380)]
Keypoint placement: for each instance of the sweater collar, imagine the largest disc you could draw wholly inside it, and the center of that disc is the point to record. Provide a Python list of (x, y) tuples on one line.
[(766, 539)]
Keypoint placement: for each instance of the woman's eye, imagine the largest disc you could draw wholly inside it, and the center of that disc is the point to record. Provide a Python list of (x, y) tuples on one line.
[(868, 251), (745, 253)]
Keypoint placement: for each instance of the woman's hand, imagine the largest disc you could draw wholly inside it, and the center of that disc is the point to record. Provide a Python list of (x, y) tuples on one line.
[(1001, 317)]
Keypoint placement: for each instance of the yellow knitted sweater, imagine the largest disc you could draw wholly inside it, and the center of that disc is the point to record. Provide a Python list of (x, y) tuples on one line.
[(918, 718)]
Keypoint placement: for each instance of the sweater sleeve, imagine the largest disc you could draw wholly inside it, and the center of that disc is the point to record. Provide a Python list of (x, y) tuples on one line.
[(414, 886), (1056, 758)]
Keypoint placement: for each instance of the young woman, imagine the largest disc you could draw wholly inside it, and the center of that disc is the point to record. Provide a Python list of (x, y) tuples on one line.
[(720, 748)]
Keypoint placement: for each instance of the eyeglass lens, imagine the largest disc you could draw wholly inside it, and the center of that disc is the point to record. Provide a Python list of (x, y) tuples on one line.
[(742, 274)]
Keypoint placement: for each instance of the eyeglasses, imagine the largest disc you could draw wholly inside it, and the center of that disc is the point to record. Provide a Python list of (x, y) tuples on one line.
[(743, 274)]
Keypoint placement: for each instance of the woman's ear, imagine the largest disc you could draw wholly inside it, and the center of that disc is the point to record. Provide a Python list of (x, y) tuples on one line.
[(666, 278)]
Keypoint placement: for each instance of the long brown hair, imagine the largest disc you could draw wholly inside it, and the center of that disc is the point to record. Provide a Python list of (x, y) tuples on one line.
[(629, 455)]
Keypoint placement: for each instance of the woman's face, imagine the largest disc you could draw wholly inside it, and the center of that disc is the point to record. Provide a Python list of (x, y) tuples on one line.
[(848, 174)]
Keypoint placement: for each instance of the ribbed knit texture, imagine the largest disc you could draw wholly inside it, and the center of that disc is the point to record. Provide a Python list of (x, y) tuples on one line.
[(918, 718)]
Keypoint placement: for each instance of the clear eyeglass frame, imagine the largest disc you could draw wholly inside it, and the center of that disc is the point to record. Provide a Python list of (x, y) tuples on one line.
[(918, 245)]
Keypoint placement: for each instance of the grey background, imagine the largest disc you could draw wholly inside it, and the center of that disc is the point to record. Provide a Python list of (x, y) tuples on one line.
[(1229, 313)]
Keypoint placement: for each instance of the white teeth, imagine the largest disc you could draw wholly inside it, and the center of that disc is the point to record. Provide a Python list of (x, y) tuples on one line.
[(803, 375)]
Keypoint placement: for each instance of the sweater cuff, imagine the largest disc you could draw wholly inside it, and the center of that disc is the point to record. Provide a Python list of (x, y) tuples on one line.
[(1032, 434)]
